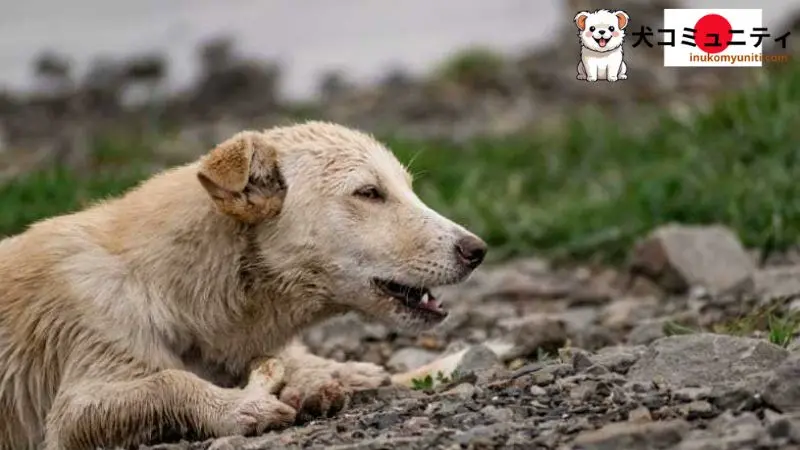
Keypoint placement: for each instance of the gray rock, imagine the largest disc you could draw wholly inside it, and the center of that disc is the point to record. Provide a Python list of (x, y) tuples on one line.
[(534, 331), (705, 359), (464, 391), (697, 409), (496, 414), (481, 361), (633, 436), (783, 426), (619, 359), (410, 358), (581, 360), (777, 282), (626, 312), (640, 414), (783, 389), (727, 432), (341, 337), (646, 332), (679, 257)]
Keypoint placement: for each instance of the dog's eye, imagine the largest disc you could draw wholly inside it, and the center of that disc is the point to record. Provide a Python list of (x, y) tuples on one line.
[(369, 193), (592, 28), (611, 29)]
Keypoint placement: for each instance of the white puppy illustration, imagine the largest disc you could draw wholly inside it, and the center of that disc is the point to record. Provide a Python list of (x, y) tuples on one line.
[(601, 34)]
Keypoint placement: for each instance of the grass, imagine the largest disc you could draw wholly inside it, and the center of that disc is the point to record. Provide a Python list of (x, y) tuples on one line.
[(583, 191)]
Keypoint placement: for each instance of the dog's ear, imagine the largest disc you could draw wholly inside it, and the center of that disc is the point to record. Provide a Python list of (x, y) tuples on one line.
[(243, 178), (622, 19), (580, 20)]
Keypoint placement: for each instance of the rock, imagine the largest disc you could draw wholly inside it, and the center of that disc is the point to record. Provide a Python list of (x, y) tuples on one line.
[(783, 389), (581, 361), (464, 391), (647, 332), (543, 378), (533, 332), (679, 257), (481, 361), (690, 394), (341, 337), (633, 436), (410, 358), (597, 369), (783, 426), (625, 312), (516, 281), (697, 409), (777, 282), (496, 414), (740, 395), (640, 414), (704, 359), (726, 432), (619, 359), (537, 391)]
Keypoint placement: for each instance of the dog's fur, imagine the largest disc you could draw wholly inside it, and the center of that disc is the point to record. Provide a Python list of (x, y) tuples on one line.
[(602, 62), (149, 311)]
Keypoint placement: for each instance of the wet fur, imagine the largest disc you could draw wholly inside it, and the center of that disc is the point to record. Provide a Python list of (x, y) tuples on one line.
[(144, 315)]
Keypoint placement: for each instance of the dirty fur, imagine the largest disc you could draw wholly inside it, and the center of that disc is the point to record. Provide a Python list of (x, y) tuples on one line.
[(145, 315)]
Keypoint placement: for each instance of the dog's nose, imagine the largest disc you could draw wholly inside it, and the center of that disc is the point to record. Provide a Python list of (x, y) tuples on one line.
[(601, 31), (471, 250)]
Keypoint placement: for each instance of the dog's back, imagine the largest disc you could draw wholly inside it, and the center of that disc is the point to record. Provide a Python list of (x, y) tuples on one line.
[(33, 334)]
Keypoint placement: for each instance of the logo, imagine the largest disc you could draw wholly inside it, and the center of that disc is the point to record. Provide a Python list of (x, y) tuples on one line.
[(713, 38), (601, 34)]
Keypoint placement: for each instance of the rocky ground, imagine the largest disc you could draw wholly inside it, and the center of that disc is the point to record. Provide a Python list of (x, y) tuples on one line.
[(669, 353)]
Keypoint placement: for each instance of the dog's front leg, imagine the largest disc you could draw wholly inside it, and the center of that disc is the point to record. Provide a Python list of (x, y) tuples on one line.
[(127, 413), (591, 68), (319, 387)]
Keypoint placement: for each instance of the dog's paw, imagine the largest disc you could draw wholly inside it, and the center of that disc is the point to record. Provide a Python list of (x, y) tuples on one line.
[(580, 77), (320, 396), (253, 413), (324, 391), (255, 408), (623, 77), (612, 78), (591, 78), (361, 375)]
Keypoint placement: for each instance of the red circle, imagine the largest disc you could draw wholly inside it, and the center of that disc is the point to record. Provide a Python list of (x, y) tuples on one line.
[(712, 33)]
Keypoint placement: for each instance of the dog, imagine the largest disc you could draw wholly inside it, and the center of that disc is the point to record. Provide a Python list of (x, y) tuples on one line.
[(146, 315), (601, 36)]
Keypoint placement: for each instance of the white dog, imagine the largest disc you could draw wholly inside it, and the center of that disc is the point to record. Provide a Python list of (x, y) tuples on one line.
[(601, 34)]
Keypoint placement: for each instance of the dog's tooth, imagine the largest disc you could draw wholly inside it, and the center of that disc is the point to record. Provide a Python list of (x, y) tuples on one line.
[(425, 298)]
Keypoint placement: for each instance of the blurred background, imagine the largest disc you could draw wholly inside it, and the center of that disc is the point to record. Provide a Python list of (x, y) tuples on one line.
[(95, 95), (571, 183)]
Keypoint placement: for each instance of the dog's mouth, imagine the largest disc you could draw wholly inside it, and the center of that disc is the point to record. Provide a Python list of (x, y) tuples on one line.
[(601, 41), (417, 299)]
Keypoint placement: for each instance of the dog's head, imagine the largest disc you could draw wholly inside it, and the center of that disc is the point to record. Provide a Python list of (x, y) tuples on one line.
[(335, 210), (602, 30)]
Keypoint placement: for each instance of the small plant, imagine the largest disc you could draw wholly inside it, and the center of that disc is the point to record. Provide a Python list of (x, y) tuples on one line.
[(542, 355), (781, 330), (422, 384), (674, 329), (427, 382)]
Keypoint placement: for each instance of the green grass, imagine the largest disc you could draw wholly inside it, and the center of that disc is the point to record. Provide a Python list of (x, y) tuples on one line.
[(587, 190)]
